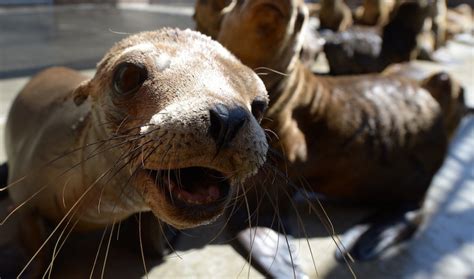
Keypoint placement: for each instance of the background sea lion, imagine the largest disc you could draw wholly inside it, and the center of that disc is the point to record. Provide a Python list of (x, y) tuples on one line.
[(208, 15), (372, 139), (374, 12), (369, 50), (335, 15), (459, 20), (145, 133)]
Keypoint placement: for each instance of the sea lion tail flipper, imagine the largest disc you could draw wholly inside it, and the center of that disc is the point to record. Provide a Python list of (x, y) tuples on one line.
[(370, 238), (3, 179)]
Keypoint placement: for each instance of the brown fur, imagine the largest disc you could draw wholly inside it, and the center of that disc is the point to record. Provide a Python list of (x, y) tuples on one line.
[(372, 138), (167, 123), (208, 15), (335, 15), (374, 12), (459, 20), (439, 18)]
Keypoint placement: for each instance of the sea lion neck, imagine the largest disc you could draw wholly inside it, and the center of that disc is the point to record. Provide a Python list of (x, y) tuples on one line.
[(286, 90)]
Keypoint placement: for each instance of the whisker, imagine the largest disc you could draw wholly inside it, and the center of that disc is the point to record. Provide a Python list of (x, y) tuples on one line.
[(57, 249), (59, 224), (43, 187), (118, 32), (123, 156), (98, 251), (141, 243), (271, 70), (118, 230), (107, 249), (90, 187)]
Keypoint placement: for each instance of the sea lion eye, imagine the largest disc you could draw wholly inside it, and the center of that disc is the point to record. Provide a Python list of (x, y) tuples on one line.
[(258, 109), (128, 78)]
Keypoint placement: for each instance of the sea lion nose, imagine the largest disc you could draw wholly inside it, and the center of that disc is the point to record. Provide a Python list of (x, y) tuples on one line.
[(226, 123)]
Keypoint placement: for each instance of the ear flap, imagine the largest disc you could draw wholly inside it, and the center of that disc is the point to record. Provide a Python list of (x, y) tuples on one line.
[(81, 93)]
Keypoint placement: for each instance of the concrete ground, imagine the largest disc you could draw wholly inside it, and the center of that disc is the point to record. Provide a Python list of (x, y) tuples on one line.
[(77, 36)]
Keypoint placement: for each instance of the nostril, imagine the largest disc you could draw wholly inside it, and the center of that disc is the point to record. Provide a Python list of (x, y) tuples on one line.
[(218, 119), (225, 123)]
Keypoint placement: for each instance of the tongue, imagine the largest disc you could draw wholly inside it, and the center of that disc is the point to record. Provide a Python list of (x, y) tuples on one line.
[(202, 195), (194, 185)]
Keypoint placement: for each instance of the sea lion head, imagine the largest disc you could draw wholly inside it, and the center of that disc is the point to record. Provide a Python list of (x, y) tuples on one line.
[(190, 111), (265, 33), (208, 15)]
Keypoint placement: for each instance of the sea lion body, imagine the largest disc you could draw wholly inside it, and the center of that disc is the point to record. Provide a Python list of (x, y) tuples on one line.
[(43, 123), (384, 133), (353, 137), (146, 133)]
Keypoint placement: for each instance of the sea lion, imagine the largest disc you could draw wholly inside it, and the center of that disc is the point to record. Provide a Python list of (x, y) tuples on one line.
[(433, 35), (459, 20), (169, 123), (371, 139), (335, 15), (374, 12), (439, 17), (208, 15), (369, 50)]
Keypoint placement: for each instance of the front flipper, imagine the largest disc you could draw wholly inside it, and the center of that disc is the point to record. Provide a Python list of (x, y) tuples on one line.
[(271, 253), (370, 238)]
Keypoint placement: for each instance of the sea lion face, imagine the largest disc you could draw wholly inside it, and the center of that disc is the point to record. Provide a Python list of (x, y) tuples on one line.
[(265, 32), (191, 111)]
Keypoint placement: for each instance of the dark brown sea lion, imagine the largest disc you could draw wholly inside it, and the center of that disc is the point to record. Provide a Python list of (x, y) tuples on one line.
[(169, 123), (371, 139)]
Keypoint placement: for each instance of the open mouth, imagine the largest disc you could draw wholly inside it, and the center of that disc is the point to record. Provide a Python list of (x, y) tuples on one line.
[(192, 187)]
